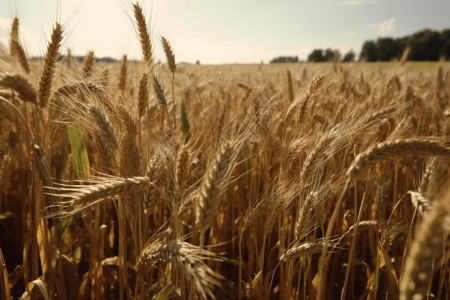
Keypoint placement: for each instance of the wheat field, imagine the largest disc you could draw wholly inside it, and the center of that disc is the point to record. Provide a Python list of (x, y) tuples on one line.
[(155, 180)]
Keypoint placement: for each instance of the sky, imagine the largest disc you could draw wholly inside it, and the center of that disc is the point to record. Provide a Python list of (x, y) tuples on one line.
[(220, 31)]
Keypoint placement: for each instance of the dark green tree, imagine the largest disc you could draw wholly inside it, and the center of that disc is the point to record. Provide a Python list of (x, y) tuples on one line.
[(403, 43), (349, 56), (425, 45), (328, 55), (369, 51), (445, 39), (284, 59), (316, 56), (388, 49)]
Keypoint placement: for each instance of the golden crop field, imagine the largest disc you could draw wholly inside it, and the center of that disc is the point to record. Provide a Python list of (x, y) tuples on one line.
[(156, 180)]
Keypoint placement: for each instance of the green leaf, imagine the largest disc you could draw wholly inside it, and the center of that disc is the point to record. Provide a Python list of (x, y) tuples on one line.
[(164, 293), (391, 274), (247, 165), (185, 123), (78, 151)]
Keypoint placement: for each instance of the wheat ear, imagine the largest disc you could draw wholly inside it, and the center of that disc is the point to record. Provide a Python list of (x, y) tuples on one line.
[(425, 248), (159, 92), (305, 249), (299, 105), (290, 86), (16, 48), (123, 73), (399, 147), (130, 154), (48, 69), (106, 129), (107, 143), (170, 56), (182, 167), (208, 203), (88, 64), (20, 85), (83, 196), (143, 95), (188, 257), (14, 35), (146, 45)]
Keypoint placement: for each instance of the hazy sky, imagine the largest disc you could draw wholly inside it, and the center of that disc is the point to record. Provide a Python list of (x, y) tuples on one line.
[(221, 31)]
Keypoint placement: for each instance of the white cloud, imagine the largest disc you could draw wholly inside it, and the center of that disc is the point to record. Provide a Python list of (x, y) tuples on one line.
[(383, 28), (357, 2)]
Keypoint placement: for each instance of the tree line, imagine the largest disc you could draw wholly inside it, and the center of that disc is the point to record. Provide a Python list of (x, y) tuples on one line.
[(424, 45), (284, 59)]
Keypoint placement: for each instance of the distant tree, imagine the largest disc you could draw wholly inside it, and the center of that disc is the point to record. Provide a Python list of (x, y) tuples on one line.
[(284, 59), (197, 62), (369, 51), (425, 45), (445, 40), (388, 49), (403, 42), (316, 56), (349, 56), (328, 55), (319, 55)]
